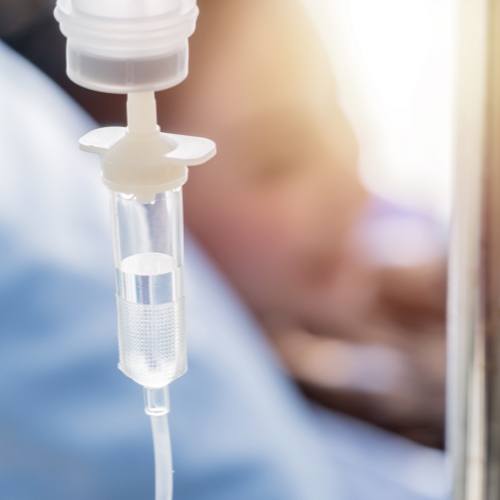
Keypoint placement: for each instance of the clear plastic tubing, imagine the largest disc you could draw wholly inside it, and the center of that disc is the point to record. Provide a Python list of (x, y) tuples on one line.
[(157, 406), (148, 258)]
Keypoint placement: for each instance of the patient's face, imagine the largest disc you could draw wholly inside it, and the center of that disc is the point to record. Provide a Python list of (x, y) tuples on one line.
[(275, 207)]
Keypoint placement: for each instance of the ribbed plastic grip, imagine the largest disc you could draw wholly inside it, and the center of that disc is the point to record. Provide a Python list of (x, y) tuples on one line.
[(151, 342)]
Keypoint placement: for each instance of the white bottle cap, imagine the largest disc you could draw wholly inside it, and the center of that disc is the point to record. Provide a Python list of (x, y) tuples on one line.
[(122, 46)]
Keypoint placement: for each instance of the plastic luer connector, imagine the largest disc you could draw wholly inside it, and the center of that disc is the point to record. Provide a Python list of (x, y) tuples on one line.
[(148, 260)]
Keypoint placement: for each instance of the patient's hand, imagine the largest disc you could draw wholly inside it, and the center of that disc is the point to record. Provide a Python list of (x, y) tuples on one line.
[(377, 350)]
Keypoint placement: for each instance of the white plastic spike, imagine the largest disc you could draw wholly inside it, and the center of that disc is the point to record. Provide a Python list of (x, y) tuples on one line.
[(102, 139), (190, 150), (140, 159)]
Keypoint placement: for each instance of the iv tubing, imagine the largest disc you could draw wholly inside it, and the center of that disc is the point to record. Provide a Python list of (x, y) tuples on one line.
[(157, 407), (163, 458)]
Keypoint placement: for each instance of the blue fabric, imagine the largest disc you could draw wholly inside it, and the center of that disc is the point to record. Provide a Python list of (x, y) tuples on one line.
[(72, 426)]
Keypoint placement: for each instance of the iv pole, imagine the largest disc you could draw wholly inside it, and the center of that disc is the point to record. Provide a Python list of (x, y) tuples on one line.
[(473, 425)]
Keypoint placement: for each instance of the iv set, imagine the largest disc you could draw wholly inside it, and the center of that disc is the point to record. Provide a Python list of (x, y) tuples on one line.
[(138, 48)]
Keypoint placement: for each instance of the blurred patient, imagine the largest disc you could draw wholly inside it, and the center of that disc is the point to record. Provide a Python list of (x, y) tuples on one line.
[(284, 215)]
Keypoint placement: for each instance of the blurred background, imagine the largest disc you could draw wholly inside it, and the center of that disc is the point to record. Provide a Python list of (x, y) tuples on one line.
[(325, 214), (394, 62)]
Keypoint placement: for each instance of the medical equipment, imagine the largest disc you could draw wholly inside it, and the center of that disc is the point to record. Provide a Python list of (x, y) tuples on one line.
[(137, 48), (473, 315)]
